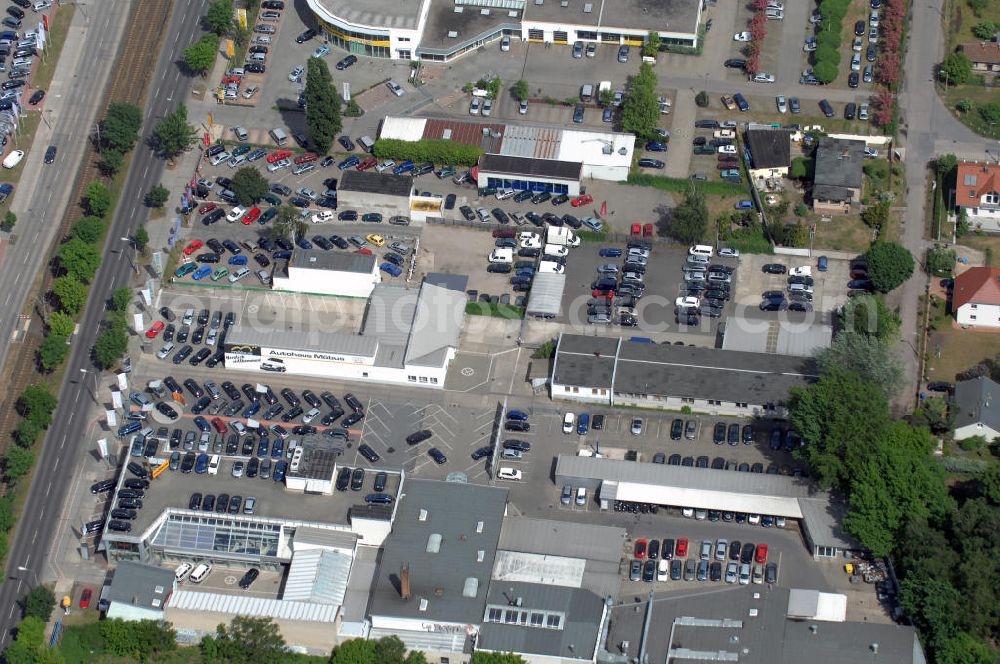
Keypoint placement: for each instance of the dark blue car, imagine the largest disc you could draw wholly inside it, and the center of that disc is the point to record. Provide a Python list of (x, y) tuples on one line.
[(278, 448), (350, 162), (583, 424), (656, 146), (201, 464), (278, 474), (610, 252), (252, 409), (390, 268), (741, 102), (405, 167), (304, 243), (281, 255), (518, 415), (202, 424)]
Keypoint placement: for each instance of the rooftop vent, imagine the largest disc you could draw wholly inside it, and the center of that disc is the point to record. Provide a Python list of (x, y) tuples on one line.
[(434, 543), (471, 587), (564, 3), (312, 259), (484, 12), (422, 516), (753, 613), (459, 9), (479, 527), (539, 2), (588, 8), (452, 34), (158, 603), (874, 647), (423, 604), (158, 590), (439, 591), (512, 13), (813, 629)]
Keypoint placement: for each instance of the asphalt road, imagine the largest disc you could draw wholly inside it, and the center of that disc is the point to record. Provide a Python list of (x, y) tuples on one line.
[(63, 448)]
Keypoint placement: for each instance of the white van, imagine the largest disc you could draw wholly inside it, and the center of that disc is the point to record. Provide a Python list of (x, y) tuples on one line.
[(581, 496), (512, 474), (701, 250), (213, 465), (182, 571), (551, 267), (569, 423), (200, 572)]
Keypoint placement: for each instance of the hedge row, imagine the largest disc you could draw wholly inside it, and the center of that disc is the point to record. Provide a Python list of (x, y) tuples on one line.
[(827, 55), (435, 150), (681, 185)]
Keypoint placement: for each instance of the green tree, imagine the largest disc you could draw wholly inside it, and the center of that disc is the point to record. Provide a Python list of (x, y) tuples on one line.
[(60, 323), (246, 639), (110, 346), (867, 356), (140, 238), (802, 168), (935, 414), (497, 658), (79, 259), (111, 162), (288, 224), (641, 108), (934, 606), (120, 127), (941, 261), (869, 315), (690, 219), (889, 265), (88, 229), (956, 69), (71, 293), (173, 134), (249, 185), (836, 417), (121, 298), (390, 650), (945, 164), (31, 631), (990, 483), (98, 199), (17, 462), (701, 99), (990, 112), (27, 433), (978, 6), (825, 71), (985, 29), (219, 17), (521, 91), (964, 648), (9, 219), (137, 640), (652, 45), (322, 105), (37, 403), (355, 651), (53, 351), (39, 603), (877, 215), (158, 196), (200, 56), (7, 517)]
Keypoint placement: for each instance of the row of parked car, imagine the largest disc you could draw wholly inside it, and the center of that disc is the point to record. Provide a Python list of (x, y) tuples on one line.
[(746, 563), (707, 286)]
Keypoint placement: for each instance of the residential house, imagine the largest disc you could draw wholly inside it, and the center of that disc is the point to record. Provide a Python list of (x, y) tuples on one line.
[(976, 297), (770, 154), (977, 409), (837, 182), (977, 191), (985, 56)]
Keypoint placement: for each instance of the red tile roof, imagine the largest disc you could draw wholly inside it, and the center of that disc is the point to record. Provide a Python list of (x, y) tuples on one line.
[(974, 180), (979, 285), (987, 52)]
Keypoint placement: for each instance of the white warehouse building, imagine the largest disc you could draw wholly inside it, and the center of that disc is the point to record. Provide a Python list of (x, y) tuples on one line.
[(327, 273), (409, 336)]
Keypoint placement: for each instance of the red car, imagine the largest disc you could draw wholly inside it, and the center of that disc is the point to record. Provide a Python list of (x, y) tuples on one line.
[(85, 597), (278, 155), (219, 425), (761, 556), (251, 215), (647, 230), (636, 230), (370, 162), (640, 548), (206, 208), (582, 200), (193, 246), (305, 158), (155, 330), (682, 548), (604, 293), (366, 252)]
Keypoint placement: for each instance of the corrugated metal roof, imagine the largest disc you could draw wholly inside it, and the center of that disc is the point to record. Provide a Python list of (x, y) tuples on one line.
[(545, 297), (437, 322), (535, 142), (468, 133), (403, 129), (390, 314), (562, 538), (323, 537), (318, 576), (337, 261), (243, 605)]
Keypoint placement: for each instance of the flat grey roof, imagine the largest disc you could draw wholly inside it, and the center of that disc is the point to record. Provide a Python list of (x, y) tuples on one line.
[(145, 586), (436, 533), (581, 610), (339, 261), (765, 638), (378, 14), (530, 167), (456, 282), (779, 336), (585, 361), (470, 24), (373, 182), (607, 15), (562, 538), (302, 338), (839, 163)]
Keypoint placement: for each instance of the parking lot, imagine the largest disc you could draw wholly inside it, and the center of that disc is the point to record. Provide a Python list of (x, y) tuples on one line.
[(829, 290)]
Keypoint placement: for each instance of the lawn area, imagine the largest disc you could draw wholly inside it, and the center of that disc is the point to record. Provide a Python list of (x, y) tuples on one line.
[(962, 19), (988, 244), (976, 94), (841, 233), (22, 140), (57, 37), (951, 350)]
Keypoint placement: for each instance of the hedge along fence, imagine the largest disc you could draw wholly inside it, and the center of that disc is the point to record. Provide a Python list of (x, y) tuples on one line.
[(827, 55), (435, 150), (681, 185)]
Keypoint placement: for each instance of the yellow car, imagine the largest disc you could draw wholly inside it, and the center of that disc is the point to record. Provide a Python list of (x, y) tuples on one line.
[(375, 239)]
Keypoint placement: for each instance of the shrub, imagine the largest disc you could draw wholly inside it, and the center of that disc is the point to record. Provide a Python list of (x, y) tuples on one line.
[(438, 151)]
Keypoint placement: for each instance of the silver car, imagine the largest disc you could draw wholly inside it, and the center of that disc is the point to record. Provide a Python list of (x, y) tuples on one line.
[(604, 319), (608, 268)]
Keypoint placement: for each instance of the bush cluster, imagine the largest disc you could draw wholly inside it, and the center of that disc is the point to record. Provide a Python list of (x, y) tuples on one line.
[(828, 38), (435, 150)]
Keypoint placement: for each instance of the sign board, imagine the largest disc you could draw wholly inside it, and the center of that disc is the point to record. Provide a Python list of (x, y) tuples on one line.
[(147, 296), (137, 324), (123, 381), (241, 16), (347, 92), (102, 443), (116, 398)]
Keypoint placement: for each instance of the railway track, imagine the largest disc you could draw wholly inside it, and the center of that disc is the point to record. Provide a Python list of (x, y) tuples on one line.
[(135, 60)]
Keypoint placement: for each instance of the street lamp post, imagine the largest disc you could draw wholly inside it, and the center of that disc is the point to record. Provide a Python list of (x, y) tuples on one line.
[(131, 257), (22, 568), (96, 386)]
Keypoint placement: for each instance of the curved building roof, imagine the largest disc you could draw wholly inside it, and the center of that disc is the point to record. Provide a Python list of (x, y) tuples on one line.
[(375, 14)]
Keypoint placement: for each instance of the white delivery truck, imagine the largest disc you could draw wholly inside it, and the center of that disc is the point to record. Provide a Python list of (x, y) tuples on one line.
[(551, 266), (560, 235), (502, 255), (556, 250)]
